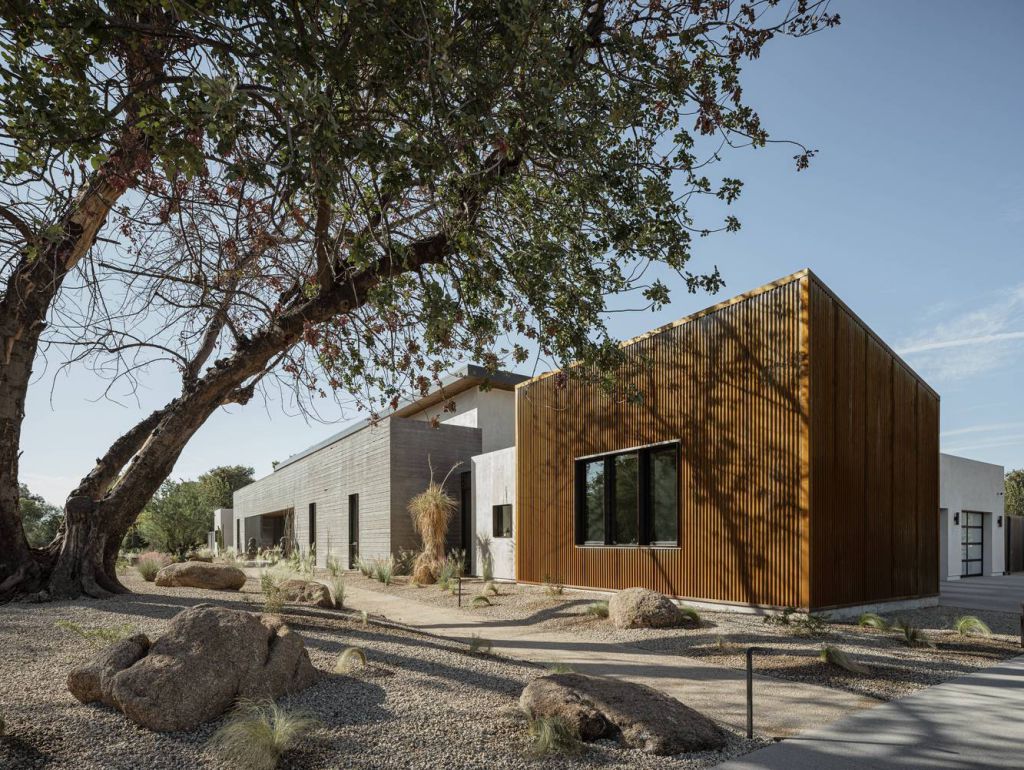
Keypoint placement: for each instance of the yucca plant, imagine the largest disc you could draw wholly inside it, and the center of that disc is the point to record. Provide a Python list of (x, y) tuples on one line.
[(910, 635), (871, 620), (480, 601), (351, 659), (690, 614), (479, 646), (970, 625), (553, 735), (597, 609), (257, 733), (836, 657), (431, 512), (97, 636)]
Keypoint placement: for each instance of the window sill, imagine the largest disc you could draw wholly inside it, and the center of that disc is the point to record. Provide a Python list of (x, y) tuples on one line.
[(648, 547)]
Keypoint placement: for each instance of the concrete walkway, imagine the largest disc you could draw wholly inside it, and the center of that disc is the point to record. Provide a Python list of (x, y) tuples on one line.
[(973, 722), (1002, 593), (781, 708)]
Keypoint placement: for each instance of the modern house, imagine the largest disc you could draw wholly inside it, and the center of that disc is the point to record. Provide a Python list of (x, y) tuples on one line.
[(769, 451), (972, 533), (349, 494)]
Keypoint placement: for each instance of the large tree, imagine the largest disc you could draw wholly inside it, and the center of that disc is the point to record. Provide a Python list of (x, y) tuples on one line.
[(421, 182)]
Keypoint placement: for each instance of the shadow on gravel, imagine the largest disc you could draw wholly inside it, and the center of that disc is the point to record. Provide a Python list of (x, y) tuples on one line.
[(15, 752)]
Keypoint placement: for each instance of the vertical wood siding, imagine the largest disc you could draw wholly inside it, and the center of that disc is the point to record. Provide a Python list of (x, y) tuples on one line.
[(874, 465), (727, 385)]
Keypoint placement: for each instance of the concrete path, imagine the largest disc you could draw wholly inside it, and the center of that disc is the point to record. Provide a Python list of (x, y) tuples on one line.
[(1002, 593), (973, 722), (781, 708)]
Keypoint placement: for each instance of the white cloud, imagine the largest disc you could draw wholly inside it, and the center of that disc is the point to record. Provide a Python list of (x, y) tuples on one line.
[(970, 343), (997, 426)]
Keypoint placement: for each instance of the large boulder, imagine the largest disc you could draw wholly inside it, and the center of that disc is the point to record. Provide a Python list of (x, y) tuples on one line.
[(642, 608), (198, 574), (307, 592), (208, 658), (636, 715)]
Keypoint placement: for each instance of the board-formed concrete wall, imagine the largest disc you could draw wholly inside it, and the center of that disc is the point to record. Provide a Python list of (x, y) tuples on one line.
[(970, 485), (494, 483), (493, 411)]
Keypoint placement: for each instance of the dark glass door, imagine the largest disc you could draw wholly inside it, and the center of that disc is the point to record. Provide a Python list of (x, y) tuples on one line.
[(972, 544), (466, 516), (353, 530)]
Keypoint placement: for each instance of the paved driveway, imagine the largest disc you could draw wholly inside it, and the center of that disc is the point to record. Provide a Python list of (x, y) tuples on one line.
[(973, 722), (1003, 593)]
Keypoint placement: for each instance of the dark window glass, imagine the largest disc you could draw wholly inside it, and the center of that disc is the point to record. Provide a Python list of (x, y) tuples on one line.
[(593, 515), (312, 523), (502, 515), (664, 495), (624, 515)]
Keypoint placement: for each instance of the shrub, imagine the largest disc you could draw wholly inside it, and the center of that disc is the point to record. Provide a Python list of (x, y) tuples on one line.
[(597, 609), (271, 585), (431, 512), (969, 625), (256, 734), (150, 563), (405, 561), (780, 618), (201, 554), (812, 625), (480, 601), (479, 646), (871, 620), (553, 589), (911, 636), (351, 659), (838, 658), (337, 585), (553, 735), (690, 614), (98, 636)]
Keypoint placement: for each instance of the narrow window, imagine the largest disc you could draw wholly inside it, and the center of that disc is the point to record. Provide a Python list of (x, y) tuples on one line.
[(312, 524), (629, 498), (238, 535), (502, 520)]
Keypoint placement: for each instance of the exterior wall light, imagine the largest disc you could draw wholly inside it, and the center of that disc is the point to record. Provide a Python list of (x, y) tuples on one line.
[(999, 521), (956, 518)]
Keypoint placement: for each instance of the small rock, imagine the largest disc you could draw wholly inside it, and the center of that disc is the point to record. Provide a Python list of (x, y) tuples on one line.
[(197, 574), (636, 715), (307, 592), (643, 608)]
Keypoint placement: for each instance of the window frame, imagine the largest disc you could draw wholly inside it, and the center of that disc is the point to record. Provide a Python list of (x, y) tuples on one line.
[(495, 520), (645, 512)]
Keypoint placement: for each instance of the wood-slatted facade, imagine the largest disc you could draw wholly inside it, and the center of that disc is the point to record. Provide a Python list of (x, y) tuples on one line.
[(808, 469)]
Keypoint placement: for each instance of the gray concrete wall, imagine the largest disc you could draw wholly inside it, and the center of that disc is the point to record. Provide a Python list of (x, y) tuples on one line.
[(492, 411), (970, 485), (357, 464), (494, 483), (415, 446)]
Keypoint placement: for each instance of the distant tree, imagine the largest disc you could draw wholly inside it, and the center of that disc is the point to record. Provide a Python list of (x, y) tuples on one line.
[(177, 518), (41, 520), (219, 484), (1014, 487)]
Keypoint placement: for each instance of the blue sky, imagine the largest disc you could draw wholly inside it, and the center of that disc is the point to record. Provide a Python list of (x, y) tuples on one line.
[(913, 212)]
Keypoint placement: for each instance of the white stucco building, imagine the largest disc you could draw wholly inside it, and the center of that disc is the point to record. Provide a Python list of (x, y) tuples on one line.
[(972, 537)]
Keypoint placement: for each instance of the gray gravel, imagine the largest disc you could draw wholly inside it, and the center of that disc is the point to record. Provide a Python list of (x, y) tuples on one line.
[(421, 703), (895, 670)]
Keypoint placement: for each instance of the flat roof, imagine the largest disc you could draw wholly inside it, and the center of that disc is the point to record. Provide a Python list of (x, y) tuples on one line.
[(453, 383)]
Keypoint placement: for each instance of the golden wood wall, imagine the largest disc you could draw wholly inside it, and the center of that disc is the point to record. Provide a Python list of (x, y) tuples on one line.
[(738, 387)]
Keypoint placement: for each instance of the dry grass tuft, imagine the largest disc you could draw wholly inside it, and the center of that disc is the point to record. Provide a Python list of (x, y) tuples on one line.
[(873, 620), (480, 601), (98, 636), (561, 668), (836, 657), (351, 659), (337, 585), (150, 563), (970, 625), (597, 609), (553, 735), (480, 646), (690, 614), (257, 734), (911, 636)]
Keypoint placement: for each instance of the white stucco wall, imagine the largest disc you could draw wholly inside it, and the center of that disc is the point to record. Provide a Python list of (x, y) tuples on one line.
[(494, 483), (493, 411), (969, 485), (224, 520)]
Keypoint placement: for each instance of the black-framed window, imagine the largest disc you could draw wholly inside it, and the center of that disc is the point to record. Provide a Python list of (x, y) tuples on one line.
[(629, 498), (502, 520), (312, 524)]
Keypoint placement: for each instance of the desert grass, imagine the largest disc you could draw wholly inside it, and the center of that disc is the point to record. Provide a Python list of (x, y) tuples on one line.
[(480, 601), (690, 613), (836, 657), (597, 609), (970, 625), (873, 620), (911, 636), (97, 636), (432, 511), (258, 733), (150, 563), (351, 659), (480, 646), (561, 668), (553, 735), (336, 583)]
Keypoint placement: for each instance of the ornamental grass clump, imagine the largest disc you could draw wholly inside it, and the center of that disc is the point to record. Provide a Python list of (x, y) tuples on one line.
[(97, 636), (911, 636), (258, 733), (690, 614), (479, 646), (597, 609), (337, 585), (150, 563), (450, 571), (383, 570), (480, 601), (969, 625), (351, 659), (836, 657), (871, 620), (553, 735), (431, 511)]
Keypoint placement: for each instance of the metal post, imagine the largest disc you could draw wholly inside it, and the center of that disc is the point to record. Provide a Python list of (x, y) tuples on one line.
[(1022, 625), (459, 577), (750, 689)]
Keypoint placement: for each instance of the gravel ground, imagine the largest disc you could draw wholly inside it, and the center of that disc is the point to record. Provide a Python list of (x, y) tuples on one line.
[(420, 703), (894, 670)]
